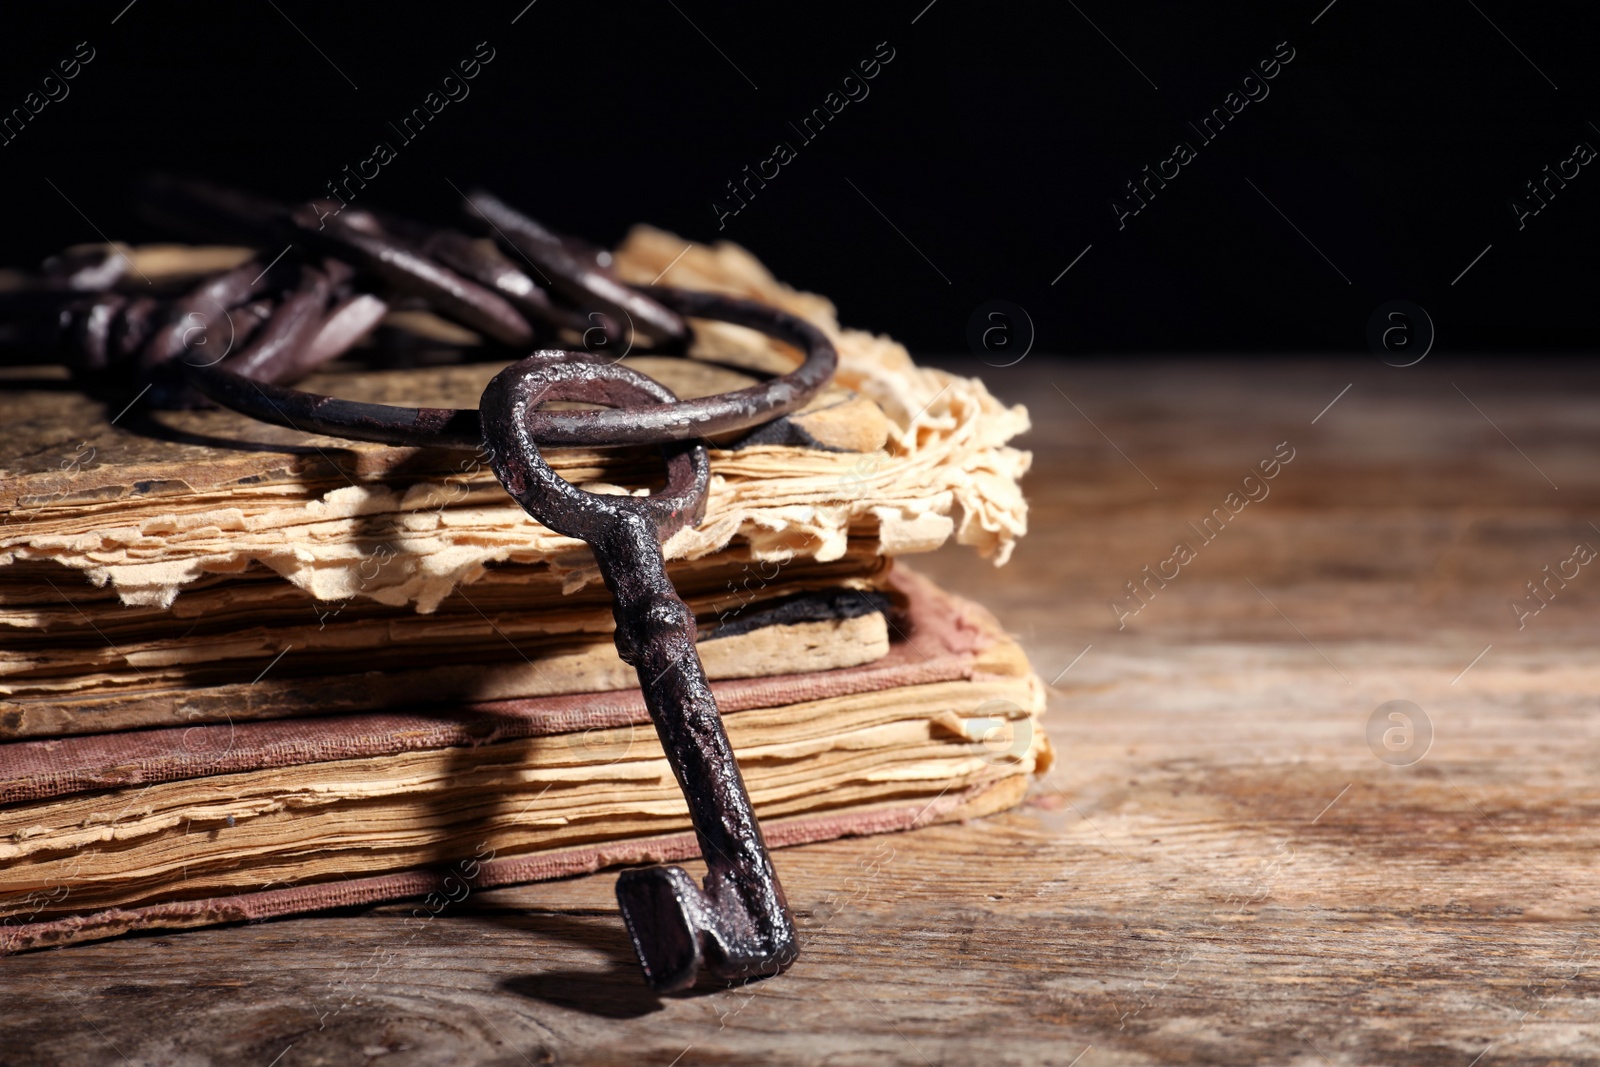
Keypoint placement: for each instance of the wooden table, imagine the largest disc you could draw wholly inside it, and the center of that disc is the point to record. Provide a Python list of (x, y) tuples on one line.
[(1238, 858)]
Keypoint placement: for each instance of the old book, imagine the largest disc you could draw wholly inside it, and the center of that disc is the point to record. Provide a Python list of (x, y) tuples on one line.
[(246, 671), (254, 647), (191, 567), (100, 835), (148, 504)]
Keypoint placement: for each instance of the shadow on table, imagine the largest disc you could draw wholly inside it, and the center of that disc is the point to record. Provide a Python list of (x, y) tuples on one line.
[(616, 992)]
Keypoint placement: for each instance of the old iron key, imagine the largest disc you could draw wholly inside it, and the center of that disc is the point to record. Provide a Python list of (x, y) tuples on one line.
[(739, 925)]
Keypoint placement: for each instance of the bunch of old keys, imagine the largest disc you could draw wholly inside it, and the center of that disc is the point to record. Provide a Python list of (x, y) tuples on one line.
[(341, 271)]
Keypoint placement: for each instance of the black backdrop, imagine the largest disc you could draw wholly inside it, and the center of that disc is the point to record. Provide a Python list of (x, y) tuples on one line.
[(983, 158)]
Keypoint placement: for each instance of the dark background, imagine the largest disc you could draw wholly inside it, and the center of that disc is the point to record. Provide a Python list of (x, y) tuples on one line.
[(993, 143)]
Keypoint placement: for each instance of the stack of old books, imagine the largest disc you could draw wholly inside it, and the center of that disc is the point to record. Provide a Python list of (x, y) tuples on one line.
[(248, 672)]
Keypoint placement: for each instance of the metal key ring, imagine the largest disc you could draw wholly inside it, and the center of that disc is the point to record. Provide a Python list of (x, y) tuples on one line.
[(459, 428)]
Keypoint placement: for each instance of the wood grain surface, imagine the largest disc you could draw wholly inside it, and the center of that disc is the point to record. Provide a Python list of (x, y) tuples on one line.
[(1238, 859)]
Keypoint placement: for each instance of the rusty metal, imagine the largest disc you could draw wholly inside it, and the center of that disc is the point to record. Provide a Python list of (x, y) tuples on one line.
[(286, 312), (738, 924), (485, 264), (685, 420), (407, 271), (577, 269)]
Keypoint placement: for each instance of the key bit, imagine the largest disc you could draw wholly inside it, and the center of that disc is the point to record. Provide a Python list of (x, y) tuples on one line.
[(738, 924)]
